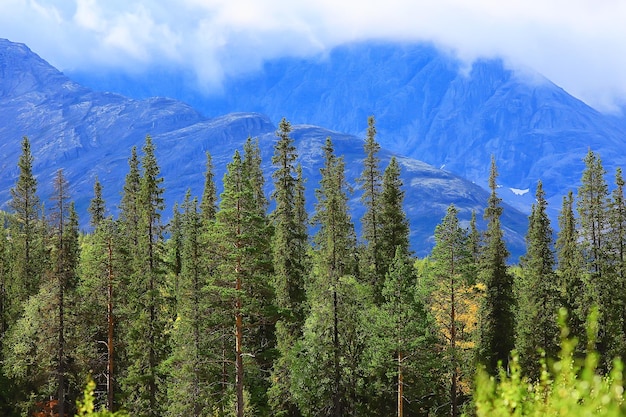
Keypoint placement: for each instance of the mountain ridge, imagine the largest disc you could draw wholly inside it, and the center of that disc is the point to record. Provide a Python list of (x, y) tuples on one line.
[(433, 107), (90, 135)]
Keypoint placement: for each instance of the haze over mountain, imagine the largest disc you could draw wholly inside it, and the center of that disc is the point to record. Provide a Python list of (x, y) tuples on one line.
[(428, 106), (90, 134)]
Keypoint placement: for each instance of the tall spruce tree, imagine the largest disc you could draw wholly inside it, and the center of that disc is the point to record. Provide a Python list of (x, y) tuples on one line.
[(537, 293), (496, 317), (208, 205), (575, 295), (617, 248), (394, 225), (244, 238), (97, 207), (146, 341), (371, 222), (452, 297), (39, 354), (191, 363), (129, 206), (326, 384), (289, 254), (252, 167), (27, 235), (65, 260), (593, 217), (101, 298)]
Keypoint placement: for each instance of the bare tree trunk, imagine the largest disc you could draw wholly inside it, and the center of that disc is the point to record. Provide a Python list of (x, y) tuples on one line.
[(60, 353), (110, 332), (453, 386), (400, 386), (238, 350)]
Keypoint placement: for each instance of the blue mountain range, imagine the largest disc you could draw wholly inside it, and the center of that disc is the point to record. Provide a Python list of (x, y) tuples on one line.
[(428, 107)]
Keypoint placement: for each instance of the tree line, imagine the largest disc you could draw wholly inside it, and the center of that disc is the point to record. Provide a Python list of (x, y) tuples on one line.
[(232, 310)]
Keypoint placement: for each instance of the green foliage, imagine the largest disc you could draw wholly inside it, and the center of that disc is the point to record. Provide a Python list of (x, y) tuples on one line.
[(289, 246), (575, 292), (399, 349), (537, 290), (86, 406), (567, 388), (496, 317)]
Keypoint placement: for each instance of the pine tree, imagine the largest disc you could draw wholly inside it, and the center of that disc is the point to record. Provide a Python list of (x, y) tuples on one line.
[(243, 233), (189, 387), (27, 235), (102, 308), (39, 344), (252, 168), (371, 222), (496, 317), (129, 206), (573, 285), (331, 335), (617, 249), (592, 206), (452, 297), (208, 205), (394, 225), (537, 293), (64, 267), (289, 253), (97, 208), (592, 210), (401, 345), (147, 346)]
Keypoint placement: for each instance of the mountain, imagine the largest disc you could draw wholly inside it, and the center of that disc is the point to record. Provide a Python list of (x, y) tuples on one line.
[(90, 134), (429, 106)]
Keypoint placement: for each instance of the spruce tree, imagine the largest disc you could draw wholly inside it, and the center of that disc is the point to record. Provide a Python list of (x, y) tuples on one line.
[(27, 235), (496, 316), (371, 222), (64, 267), (208, 205), (537, 293), (252, 167), (593, 217), (394, 225), (242, 230), (129, 206), (190, 363), (147, 344), (39, 345), (332, 332), (97, 208), (452, 297), (101, 297), (575, 296), (617, 248), (289, 253)]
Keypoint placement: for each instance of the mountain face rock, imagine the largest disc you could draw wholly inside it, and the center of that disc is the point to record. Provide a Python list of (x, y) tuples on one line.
[(431, 107), (90, 135)]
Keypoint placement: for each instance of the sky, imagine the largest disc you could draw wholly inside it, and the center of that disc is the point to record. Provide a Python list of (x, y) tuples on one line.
[(578, 44)]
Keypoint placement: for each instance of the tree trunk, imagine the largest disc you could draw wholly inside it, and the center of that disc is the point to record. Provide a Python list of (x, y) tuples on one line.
[(110, 332), (400, 386), (238, 350)]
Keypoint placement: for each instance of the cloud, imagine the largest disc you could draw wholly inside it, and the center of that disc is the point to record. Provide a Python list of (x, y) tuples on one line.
[(575, 43)]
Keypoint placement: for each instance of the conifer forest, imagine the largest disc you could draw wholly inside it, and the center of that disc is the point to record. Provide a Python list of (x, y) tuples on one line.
[(245, 304)]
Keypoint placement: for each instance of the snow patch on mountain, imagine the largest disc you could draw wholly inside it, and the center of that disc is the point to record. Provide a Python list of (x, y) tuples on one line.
[(517, 191)]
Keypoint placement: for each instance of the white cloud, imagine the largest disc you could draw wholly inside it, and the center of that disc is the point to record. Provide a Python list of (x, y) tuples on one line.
[(575, 43)]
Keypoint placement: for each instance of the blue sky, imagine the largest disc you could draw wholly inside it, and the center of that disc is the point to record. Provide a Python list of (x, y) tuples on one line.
[(578, 44)]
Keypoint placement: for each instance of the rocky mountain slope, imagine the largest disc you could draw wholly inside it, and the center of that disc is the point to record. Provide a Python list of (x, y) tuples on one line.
[(90, 134), (428, 106)]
